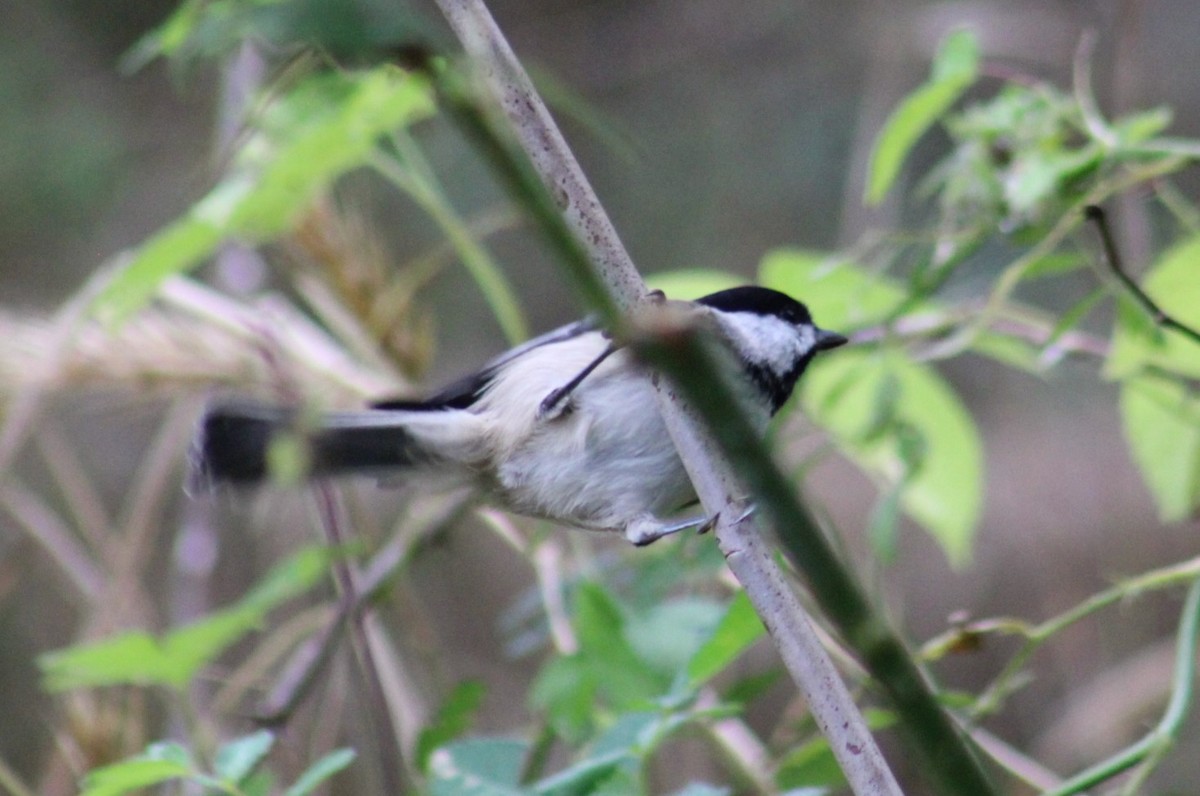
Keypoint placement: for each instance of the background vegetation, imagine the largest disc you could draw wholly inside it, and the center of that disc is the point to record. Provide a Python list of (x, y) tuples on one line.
[(1052, 451)]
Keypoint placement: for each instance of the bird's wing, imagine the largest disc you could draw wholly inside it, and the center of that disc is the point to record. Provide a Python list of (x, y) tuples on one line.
[(466, 391)]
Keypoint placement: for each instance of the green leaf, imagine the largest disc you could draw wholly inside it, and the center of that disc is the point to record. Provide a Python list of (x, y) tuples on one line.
[(238, 758), (751, 687), (133, 657), (259, 783), (1054, 264), (895, 409), (882, 528), (839, 294), (1037, 176), (1140, 127), (843, 297), (478, 766), (320, 771), (738, 629), (1137, 342), (954, 69), (667, 635), (593, 774), (930, 448), (304, 139), (810, 765), (1161, 419), (689, 284), (174, 659), (290, 578), (813, 765), (565, 689), (166, 39), (637, 734), (606, 672), (453, 719), (342, 31), (160, 762), (702, 789), (620, 674), (615, 782), (1072, 317), (131, 775), (1012, 351)]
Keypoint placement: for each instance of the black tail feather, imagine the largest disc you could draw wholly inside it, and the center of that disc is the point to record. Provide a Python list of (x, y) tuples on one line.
[(234, 441)]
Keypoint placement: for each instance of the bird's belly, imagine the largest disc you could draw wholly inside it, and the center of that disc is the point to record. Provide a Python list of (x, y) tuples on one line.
[(599, 467)]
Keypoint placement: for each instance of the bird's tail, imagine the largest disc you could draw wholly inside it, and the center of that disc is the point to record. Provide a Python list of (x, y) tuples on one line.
[(244, 443)]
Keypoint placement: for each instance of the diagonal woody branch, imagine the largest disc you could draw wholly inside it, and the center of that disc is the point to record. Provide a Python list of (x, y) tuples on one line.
[(548, 181), (612, 285)]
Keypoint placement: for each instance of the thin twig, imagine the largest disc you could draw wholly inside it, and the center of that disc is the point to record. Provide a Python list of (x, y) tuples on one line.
[(1085, 97), (48, 529), (309, 660), (1036, 635), (546, 148), (1097, 216), (1149, 748), (746, 755), (1020, 323), (11, 782), (156, 480), (331, 514), (81, 498), (1013, 760)]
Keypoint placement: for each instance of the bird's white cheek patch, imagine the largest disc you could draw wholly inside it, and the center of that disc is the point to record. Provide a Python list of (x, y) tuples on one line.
[(770, 342)]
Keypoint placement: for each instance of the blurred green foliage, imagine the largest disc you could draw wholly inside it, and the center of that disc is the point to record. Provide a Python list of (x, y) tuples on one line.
[(175, 659), (236, 770), (651, 662)]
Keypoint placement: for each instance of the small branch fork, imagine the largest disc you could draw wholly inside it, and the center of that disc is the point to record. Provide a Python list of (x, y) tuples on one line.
[(331, 514), (1097, 216)]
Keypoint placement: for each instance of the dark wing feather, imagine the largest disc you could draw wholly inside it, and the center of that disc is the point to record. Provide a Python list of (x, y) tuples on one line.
[(466, 391)]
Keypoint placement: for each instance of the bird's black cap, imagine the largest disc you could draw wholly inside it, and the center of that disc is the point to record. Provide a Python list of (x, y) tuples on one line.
[(758, 300)]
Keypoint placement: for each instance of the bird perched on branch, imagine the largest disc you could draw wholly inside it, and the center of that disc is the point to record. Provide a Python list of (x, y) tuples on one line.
[(565, 427)]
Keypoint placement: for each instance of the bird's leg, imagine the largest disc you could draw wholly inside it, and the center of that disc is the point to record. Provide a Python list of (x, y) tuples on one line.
[(646, 529), (555, 403)]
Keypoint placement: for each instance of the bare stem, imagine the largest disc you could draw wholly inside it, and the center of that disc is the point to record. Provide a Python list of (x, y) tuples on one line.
[(1097, 216), (1036, 635), (1150, 748), (330, 511)]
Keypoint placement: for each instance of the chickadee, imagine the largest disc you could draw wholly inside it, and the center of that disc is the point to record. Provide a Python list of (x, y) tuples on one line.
[(565, 427)]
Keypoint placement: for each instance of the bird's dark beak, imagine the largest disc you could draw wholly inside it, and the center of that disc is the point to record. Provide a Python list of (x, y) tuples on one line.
[(827, 340)]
